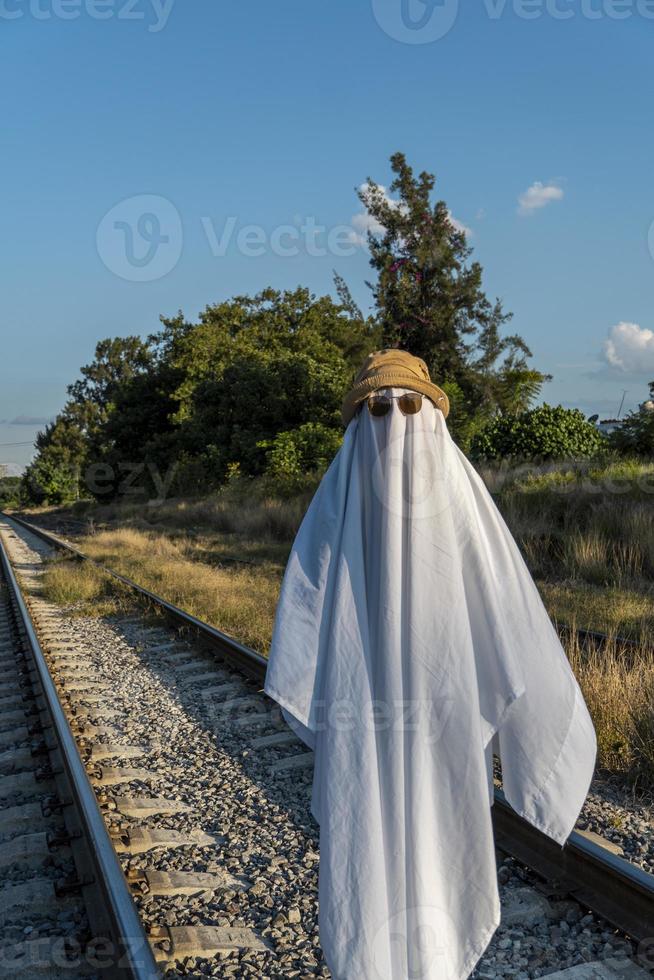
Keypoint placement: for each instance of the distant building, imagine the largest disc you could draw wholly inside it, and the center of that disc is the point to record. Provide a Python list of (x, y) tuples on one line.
[(607, 426)]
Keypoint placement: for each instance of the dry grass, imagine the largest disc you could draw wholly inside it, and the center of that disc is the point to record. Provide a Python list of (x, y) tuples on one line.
[(592, 553), (609, 610), (587, 536), (619, 692), (83, 589), (261, 525), (238, 599)]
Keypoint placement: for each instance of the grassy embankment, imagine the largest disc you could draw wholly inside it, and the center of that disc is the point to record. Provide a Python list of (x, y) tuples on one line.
[(221, 559), (587, 535)]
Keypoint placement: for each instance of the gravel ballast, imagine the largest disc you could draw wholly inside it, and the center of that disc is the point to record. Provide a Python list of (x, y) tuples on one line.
[(187, 714)]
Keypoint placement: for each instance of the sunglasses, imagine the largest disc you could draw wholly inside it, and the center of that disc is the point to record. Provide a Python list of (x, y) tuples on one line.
[(409, 403)]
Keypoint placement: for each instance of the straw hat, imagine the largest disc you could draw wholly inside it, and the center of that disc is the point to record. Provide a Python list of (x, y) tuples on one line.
[(392, 368)]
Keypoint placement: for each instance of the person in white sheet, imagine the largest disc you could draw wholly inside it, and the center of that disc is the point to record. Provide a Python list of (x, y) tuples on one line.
[(410, 643)]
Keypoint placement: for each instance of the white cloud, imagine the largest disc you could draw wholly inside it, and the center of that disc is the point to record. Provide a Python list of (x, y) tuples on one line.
[(364, 222), (458, 225), (629, 349), (361, 225), (538, 196), (30, 420)]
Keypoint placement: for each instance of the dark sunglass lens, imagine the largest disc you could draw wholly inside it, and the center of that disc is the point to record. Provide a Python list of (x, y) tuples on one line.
[(379, 406), (410, 404)]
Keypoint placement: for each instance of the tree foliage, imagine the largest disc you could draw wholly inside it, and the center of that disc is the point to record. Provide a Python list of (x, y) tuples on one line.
[(296, 455), (636, 434), (9, 490), (254, 386), (430, 301), (541, 433), (197, 399)]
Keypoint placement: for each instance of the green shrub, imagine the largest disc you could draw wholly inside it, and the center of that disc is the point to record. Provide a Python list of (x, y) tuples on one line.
[(297, 457), (636, 434), (546, 432), (9, 491)]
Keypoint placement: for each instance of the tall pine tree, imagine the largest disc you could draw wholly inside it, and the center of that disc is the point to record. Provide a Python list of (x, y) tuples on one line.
[(430, 301)]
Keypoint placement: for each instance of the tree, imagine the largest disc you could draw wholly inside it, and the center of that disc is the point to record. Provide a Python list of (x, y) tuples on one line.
[(256, 366), (117, 360), (430, 301), (9, 489), (53, 476), (270, 321), (542, 433), (636, 434)]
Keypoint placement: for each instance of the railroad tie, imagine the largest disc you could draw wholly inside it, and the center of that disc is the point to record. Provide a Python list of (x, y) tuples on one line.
[(187, 666), (141, 807), (224, 708), (219, 690), (14, 760), (21, 782), (47, 958), (113, 776), (17, 818), (173, 943), (28, 898), (150, 882), (27, 851), (13, 717), (139, 841), (102, 750), (213, 675), (290, 762), (609, 969), (278, 738)]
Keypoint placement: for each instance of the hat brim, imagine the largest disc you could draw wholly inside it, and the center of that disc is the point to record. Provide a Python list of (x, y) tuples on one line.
[(394, 379)]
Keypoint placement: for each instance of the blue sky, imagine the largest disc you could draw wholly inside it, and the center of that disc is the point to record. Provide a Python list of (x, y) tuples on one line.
[(126, 122)]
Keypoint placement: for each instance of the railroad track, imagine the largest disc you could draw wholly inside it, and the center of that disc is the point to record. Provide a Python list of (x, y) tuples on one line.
[(61, 887), (84, 788), (612, 887)]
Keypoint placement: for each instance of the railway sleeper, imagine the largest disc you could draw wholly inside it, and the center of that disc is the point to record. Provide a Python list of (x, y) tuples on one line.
[(292, 762), (171, 944), (13, 736), (149, 882), (228, 682), (14, 819), (28, 851), (276, 739), (139, 841), (609, 969), (31, 898), (18, 715), (47, 958), (115, 775), (91, 752), (21, 782), (83, 729), (140, 807)]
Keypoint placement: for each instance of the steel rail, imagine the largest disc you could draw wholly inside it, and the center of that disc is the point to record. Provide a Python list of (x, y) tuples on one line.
[(613, 887), (250, 662), (130, 953)]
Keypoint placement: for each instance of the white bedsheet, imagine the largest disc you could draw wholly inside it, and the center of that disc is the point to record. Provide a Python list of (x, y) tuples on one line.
[(408, 634)]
